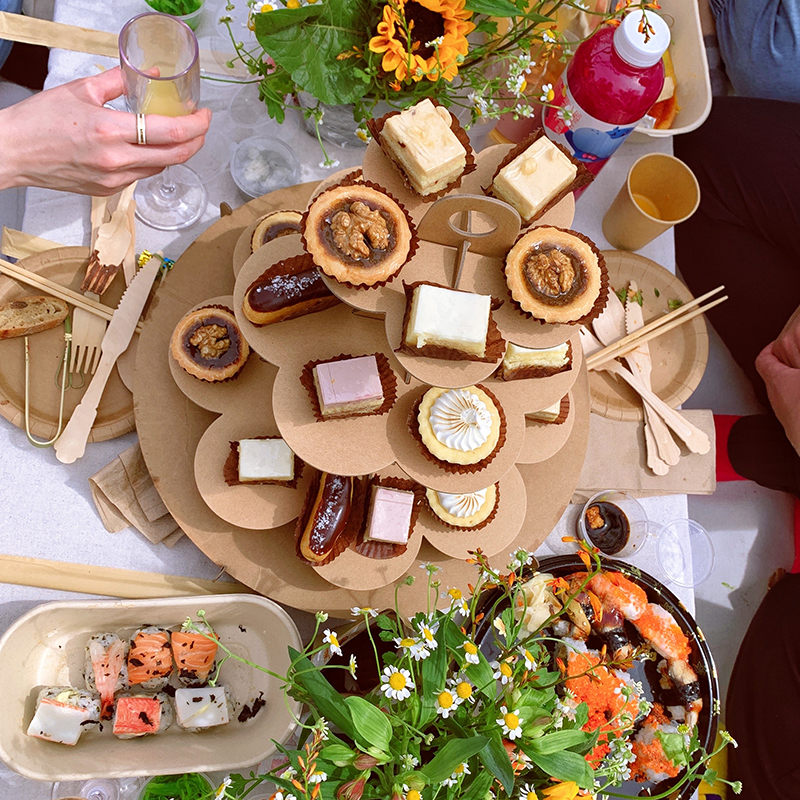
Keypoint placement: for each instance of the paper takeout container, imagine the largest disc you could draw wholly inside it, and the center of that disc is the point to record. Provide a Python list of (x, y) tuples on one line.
[(45, 647)]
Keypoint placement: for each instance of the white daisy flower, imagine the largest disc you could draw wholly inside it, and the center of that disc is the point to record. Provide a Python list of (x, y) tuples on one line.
[(503, 670), (396, 683), (322, 726), (332, 641), (222, 787), (352, 665), (549, 37), (428, 635), (431, 569), (547, 94), (289, 773), (366, 611), (279, 795), (408, 761), (447, 703), (471, 652), (521, 556), (463, 688), (413, 647), (510, 722), (318, 776), (461, 769), (322, 616), (527, 792), (530, 661), (411, 794), (566, 114)]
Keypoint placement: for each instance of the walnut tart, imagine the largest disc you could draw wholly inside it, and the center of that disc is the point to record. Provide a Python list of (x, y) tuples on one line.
[(557, 276)]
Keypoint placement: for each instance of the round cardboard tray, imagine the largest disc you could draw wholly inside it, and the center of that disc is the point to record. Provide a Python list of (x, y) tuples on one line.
[(66, 266), (679, 357), (170, 428)]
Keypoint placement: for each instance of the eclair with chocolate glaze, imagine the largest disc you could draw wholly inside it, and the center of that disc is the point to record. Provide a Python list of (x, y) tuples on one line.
[(291, 288), (322, 531)]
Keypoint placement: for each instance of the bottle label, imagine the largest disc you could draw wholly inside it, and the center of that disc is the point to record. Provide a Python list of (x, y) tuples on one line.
[(588, 139)]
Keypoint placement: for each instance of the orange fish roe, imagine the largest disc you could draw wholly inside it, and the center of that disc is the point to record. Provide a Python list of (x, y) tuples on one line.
[(651, 756), (659, 628), (601, 691)]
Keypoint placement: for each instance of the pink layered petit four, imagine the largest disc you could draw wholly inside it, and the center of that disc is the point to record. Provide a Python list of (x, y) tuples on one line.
[(389, 515), (348, 387)]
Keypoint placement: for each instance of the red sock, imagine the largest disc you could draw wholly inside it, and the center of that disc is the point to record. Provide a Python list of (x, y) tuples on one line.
[(796, 565), (725, 471)]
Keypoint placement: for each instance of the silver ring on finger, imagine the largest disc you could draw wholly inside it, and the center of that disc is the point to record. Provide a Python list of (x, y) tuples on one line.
[(141, 133)]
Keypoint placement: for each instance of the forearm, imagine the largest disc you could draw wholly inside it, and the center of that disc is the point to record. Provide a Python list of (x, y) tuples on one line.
[(10, 166)]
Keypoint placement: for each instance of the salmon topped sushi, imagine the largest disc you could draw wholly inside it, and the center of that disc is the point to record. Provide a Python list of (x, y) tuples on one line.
[(150, 659), (194, 654), (105, 670), (141, 714)]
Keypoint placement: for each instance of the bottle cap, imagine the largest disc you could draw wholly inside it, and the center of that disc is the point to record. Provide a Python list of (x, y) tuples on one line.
[(629, 41)]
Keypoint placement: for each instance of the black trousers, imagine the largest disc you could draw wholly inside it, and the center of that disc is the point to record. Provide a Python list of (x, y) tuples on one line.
[(746, 235), (763, 704)]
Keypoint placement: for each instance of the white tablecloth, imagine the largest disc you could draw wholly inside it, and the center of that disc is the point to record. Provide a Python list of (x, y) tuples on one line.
[(46, 509)]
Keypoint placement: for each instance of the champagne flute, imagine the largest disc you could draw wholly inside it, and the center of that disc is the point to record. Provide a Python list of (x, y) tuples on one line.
[(96, 789), (161, 74)]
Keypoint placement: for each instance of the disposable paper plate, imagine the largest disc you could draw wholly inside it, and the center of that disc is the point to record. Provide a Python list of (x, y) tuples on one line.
[(46, 647)]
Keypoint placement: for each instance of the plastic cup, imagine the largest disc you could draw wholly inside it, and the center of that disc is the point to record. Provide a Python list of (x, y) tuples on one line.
[(685, 553), (211, 784), (192, 20), (659, 192), (260, 165), (637, 520)]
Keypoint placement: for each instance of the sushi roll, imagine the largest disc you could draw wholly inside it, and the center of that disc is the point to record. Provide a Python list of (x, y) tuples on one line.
[(141, 714), (651, 763), (105, 669), (194, 655), (198, 709), (63, 713), (150, 659)]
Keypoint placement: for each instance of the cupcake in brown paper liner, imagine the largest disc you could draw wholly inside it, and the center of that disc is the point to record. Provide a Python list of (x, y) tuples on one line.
[(358, 234), (231, 471), (532, 362), (554, 415), (330, 518), (288, 289), (467, 511), (209, 345), (273, 226), (391, 510), (459, 430), (557, 276), (536, 175), (350, 386), (450, 324), (427, 146)]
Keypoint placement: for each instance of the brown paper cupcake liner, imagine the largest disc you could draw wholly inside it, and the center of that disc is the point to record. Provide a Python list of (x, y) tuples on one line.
[(241, 336), (460, 469), (384, 550), (350, 532), (582, 178), (563, 413), (355, 178), (495, 343), (388, 383), (288, 267), (263, 217), (468, 528), (230, 471), (535, 372), (602, 295), (376, 128)]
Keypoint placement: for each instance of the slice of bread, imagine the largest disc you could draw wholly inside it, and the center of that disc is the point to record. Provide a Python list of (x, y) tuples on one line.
[(33, 314)]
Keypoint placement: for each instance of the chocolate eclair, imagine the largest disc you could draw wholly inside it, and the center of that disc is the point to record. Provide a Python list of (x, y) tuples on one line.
[(291, 288), (322, 532)]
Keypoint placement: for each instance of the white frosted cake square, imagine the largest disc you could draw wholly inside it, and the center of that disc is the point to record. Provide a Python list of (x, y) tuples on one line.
[(549, 360), (265, 460), (448, 318), (421, 141), (531, 180)]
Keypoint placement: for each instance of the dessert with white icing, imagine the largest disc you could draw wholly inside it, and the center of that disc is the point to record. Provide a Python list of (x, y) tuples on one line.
[(448, 318), (466, 510), (459, 426), (265, 460), (554, 414), (528, 362), (421, 142)]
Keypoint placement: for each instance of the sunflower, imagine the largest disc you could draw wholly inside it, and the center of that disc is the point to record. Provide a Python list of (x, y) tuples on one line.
[(423, 38)]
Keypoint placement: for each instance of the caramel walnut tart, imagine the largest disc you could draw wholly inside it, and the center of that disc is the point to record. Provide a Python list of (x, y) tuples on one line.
[(358, 235), (557, 276)]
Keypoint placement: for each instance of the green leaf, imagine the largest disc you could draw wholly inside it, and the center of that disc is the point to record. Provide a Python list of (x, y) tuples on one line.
[(338, 754), (673, 304), (656, 292), (493, 8), (564, 766), (479, 787), (434, 673), (638, 297), (281, 18), (559, 740), (450, 755), (373, 728), (622, 294), (674, 747), (384, 623), (710, 776), (495, 758)]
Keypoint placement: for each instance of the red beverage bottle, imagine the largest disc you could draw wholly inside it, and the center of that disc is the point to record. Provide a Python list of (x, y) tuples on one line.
[(611, 82)]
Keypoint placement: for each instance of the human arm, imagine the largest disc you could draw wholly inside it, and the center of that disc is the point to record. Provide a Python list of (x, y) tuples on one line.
[(63, 138)]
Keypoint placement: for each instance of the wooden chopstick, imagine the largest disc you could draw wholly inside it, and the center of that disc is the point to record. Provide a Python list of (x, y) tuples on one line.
[(631, 342), (44, 284)]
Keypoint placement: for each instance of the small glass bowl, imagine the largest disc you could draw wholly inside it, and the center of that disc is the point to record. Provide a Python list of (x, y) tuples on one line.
[(211, 785), (685, 553), (192, 20), (637, 520), (260, 165)]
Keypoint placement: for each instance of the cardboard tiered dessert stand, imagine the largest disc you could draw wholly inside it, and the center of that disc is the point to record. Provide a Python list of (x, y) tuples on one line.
[(185, 425)]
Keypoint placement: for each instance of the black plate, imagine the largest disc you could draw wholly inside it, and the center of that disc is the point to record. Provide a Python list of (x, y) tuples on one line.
[(700, 659)]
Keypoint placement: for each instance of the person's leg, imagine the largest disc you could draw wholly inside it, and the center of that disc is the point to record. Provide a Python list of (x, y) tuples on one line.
[(763, 704)]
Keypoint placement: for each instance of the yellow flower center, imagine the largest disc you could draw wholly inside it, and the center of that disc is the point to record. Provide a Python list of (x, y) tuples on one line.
[(397, 681), (459, 769), (411, 794), (407, 643), (292, 3), (531, 796), (505, 669), (464, 690), (266, 7), (333, 640), (529, 656), (445, 700), (470, 648), (511, 721), (427, 634), (455, 594)]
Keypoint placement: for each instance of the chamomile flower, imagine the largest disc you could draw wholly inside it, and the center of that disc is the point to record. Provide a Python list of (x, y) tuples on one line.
[(352, 665), (566, 114), (407, 761), (332, 641), (321, 726), (510, 722), (457, 601), (366, 611), (521, 557), (503, 670), (221, 789), (549, 37), (447, 703), (471, 652), (460, 770), (322, 616), (428, 635), (530, 661), (463, 688), (411, 794), (547, 93), (318, 776), (279, 795), (527, 792), (413, 647), (431, 569), (396, 683), (289, 773)]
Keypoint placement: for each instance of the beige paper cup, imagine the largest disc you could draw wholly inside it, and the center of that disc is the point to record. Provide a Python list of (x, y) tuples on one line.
[(660, 191)]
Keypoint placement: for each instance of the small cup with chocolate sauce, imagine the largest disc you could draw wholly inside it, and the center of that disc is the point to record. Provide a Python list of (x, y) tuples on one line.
[(615, 523)]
